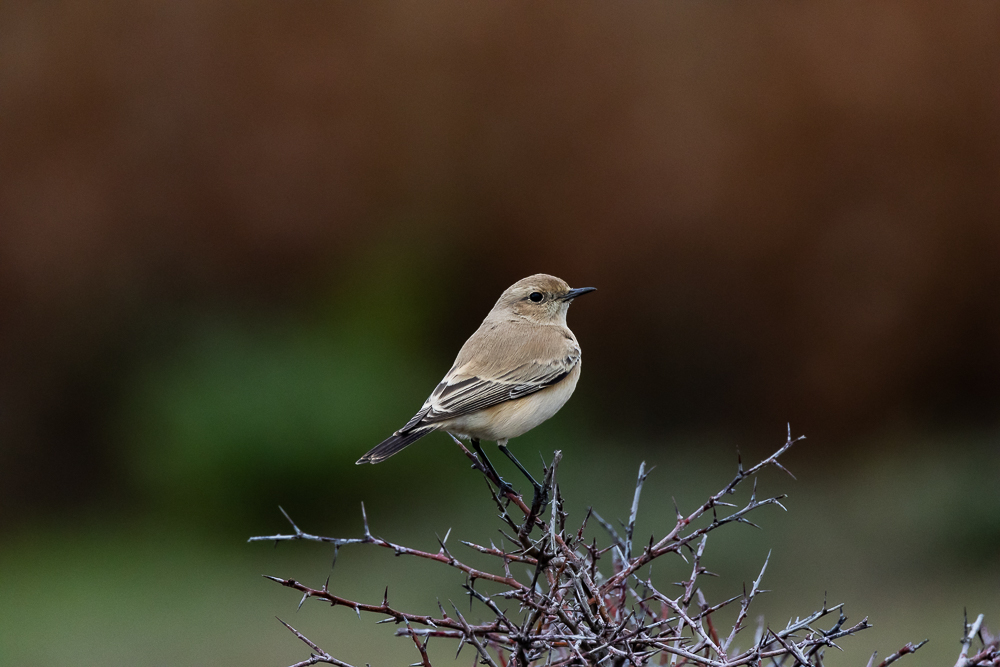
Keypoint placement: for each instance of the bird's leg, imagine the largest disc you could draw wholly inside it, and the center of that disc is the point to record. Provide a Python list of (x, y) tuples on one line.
[(504, 486), (540, 491)]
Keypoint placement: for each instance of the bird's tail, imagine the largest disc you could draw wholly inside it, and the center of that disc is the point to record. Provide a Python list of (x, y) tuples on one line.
[(393, 444)]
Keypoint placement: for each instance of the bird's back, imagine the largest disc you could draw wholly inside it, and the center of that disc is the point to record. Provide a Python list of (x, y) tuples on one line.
[(512, 344)]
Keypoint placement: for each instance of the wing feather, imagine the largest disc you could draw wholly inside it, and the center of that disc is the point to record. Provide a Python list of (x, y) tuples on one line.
[(516, 368), (471, 394)]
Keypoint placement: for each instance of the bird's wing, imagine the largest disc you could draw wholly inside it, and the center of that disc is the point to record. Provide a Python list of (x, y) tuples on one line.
[(472, 385)]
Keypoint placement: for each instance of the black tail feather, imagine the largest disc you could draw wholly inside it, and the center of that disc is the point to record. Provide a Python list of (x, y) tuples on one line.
[(393, 444)]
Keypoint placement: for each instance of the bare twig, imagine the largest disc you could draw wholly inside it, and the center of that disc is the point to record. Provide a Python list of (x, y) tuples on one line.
[(635, 509), (988, 656), (910, 647), (574, 608), (968, 636), (319, 656)]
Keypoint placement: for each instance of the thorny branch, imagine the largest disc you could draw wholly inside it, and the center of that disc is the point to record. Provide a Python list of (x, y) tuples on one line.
[(572, 608), (989, 653)]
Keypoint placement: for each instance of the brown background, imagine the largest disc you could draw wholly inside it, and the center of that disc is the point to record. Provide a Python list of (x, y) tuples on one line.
[(790, 211)]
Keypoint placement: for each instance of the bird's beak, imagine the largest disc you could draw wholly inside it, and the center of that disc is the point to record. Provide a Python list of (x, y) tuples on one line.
[(573, 293)]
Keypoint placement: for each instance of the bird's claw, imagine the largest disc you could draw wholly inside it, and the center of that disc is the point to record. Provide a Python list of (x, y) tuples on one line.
[(541, 497), (504, 488)]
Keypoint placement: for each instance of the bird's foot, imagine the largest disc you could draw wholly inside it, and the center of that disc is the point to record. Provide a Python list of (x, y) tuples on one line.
[(504, 488), (487, 468), (540, 498)]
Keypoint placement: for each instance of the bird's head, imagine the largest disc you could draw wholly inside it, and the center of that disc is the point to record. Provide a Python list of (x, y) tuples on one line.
[(541, 298)]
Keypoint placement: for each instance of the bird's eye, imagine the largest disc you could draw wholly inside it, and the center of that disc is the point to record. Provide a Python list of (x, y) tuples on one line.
[(536, 297)]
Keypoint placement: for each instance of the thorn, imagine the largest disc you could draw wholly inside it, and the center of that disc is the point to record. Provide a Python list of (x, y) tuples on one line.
[(302, 601), (326, 584), (443, 550), (289, 519), (760, 576), (385, 597), (364, 517), (336, 550), (278, 579), (358, 612), (787, 471)]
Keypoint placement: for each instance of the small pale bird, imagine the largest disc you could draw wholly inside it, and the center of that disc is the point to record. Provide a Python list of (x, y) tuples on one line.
[(516, 371)]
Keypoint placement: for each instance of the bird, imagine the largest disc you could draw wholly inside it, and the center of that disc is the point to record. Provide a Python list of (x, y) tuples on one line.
[(516, 371)]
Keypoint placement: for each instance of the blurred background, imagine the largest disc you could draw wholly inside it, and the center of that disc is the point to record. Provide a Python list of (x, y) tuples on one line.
[(240, 243)]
